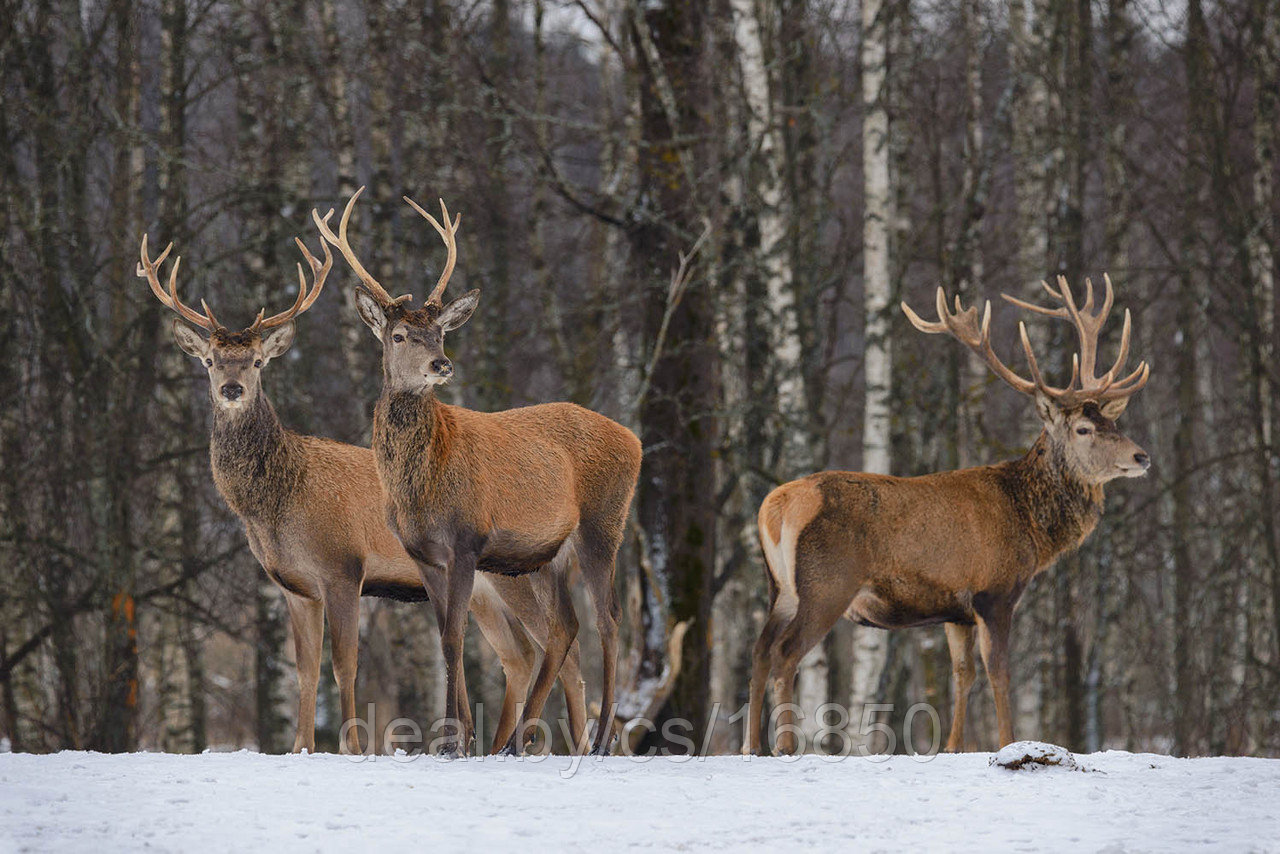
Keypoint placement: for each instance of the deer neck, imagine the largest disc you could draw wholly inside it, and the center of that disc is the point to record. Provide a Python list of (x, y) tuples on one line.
[(1060, 509), (257, 464), (411, 437)]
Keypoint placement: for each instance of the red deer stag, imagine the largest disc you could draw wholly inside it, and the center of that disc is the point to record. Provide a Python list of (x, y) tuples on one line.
[(312, 510), (956, 547), (502, 493)]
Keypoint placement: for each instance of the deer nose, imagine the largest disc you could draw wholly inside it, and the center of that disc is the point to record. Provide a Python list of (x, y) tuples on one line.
[(1142, 459), (442, 367), (232, 391)]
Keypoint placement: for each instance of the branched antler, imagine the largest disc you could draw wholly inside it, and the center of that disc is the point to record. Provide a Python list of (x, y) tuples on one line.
[(448, 233), (341, 241), (963, 325), (150, 269), (1088, 324), (319, 272), (306, 296)]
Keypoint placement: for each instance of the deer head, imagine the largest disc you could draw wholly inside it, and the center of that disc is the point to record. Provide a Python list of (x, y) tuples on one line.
[(1079, 418), (234, 360), (413, 357)]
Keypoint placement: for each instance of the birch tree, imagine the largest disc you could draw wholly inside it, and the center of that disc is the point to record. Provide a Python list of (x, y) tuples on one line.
[(870, 645)]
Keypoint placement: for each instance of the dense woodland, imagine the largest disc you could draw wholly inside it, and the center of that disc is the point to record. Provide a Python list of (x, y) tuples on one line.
[(835, 156)]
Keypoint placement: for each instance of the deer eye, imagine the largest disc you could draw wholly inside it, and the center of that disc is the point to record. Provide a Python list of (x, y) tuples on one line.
[(398, 338), (1084, 431), (257, 363), (208, 363)]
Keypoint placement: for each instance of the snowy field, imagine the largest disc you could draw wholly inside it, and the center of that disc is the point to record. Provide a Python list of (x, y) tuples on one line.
[(247, 802)]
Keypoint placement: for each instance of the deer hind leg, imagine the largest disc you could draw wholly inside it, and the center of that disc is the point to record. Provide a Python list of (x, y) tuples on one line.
[(517, 654), (993, 639), (597, 553), (306, 618), (342, 605), (960, 643), (761, 664), (562, 631), (575, 699), (811, 623)]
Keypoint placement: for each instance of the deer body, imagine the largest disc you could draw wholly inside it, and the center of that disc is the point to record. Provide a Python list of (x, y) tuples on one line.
[(482, 479), (497, 493), (510, 493), (312, 510), (974, 535), (956, 547)]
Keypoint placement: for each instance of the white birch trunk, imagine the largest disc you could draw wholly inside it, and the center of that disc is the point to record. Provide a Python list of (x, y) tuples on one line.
[(752, 21), (875, 238), (870, 645), (1029, 111), (749, 26)]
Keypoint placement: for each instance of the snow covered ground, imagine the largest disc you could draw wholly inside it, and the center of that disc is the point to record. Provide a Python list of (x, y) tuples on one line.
[(243, 801)]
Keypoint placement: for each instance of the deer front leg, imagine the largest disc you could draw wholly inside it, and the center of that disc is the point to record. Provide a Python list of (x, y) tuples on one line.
[(306, 619), (461, 579), (342, 603), (960, 643), (993, 639)]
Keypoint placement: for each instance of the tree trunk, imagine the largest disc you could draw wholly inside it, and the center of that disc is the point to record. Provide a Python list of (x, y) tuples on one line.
[(1187, 695), (119, 720), (1265, 55), (678, 421), (870, 645)]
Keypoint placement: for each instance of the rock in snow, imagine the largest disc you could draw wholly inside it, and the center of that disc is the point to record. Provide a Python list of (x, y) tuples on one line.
[(1035, 756)]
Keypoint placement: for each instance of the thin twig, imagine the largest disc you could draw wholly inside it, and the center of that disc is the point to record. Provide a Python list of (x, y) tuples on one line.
[(676, 291)]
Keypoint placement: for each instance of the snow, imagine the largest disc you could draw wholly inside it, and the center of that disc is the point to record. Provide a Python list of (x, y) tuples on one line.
[(78, 801)]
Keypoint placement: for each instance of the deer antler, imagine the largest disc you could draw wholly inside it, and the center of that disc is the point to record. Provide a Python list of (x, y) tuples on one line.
[(1088, 324), (344, 246), (319, 272), (963, 325), (149, 269), (1084, 385), (448, 233)]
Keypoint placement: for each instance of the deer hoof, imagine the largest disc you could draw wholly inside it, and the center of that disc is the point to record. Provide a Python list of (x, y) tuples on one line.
[(452, 751)]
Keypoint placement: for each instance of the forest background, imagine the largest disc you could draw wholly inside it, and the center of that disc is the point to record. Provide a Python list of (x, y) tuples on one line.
[(839, 156)]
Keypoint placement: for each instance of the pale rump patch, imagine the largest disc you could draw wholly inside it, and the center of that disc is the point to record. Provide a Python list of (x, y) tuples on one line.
[(786, 512), (782, 574)]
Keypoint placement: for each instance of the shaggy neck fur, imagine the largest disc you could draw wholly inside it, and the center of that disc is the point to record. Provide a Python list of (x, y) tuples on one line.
[(411, 438), (257, 464), (1060, 509)]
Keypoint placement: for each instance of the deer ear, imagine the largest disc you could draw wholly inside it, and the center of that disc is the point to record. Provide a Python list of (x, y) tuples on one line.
[(277, 341), (370, 312), (1112, 409), (1048, 410), (191, 342), (459, 311)]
